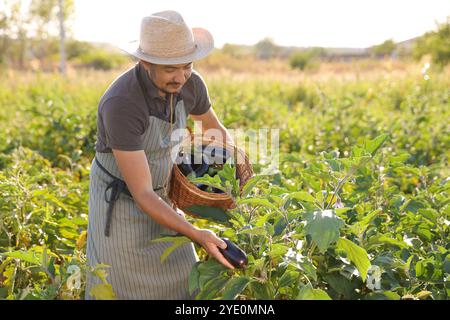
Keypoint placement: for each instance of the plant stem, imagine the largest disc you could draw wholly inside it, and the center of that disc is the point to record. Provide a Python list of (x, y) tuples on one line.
[(311, 250)]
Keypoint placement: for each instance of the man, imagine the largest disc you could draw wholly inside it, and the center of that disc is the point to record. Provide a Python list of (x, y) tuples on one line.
[(128, 204)]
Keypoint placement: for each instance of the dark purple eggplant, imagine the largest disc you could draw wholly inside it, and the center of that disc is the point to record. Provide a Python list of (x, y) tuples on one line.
[(218, 191), (184, 163), (207, 188), (185, 169), (234, 255), (188, 165), (201, 170), (201, 186), (215, 153)]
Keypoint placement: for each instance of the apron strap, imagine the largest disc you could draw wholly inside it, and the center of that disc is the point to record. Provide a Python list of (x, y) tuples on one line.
[(117, 187)]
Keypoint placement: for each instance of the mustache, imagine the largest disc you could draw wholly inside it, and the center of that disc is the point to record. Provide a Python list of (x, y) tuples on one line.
[(173, 83)]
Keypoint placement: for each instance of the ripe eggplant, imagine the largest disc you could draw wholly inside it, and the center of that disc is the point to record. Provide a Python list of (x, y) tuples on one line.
[(201, 169), (234, 255), (218, 191), (207, 166), (202, 186), (215, 155), (185, 164), (209, 189), (185, 168)]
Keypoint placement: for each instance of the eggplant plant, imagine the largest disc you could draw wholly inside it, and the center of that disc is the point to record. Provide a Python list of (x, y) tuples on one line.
[(324, 242)]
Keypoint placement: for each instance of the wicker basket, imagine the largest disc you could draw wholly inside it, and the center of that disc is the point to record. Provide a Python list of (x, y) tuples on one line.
[(184, 194)]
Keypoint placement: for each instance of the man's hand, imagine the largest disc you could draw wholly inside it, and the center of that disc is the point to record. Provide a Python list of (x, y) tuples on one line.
[(209, 241), (210, 121)]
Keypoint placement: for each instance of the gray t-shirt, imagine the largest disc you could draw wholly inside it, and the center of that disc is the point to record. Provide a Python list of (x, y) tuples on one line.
[(123, 114)]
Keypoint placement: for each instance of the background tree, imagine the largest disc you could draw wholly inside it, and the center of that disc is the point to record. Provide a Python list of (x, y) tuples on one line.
[(14, 26), (306, 59), (385, 49), (62, 36), (266, 49), (435, 43), (29, 30)]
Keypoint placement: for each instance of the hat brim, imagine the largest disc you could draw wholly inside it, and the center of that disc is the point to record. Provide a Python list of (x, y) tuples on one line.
[(204, 44)]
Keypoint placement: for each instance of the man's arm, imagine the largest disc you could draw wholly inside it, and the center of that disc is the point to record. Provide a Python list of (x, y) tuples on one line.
[(134, 167), (209, 120)]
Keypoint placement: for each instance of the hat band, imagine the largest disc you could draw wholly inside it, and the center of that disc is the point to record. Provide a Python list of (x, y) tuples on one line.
[(166, 54)]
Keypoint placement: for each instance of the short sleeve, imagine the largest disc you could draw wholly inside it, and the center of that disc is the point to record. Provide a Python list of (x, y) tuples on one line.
[(124, 123), (202, 102)]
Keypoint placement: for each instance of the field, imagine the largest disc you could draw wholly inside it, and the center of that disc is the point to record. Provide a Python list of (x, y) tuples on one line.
[(359, 208)]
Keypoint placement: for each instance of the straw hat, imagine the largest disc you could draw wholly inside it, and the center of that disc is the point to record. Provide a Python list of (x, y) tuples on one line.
[(166, 39)]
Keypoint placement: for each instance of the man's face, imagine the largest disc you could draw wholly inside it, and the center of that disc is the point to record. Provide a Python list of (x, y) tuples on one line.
[(170, 78)]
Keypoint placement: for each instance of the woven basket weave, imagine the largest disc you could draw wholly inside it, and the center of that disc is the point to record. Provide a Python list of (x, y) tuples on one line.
[(184, 194)]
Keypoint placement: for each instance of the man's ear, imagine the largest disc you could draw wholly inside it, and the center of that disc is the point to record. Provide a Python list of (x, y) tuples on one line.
[(146, 64)]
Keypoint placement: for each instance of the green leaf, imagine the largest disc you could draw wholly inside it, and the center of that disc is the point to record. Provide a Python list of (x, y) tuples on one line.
[(234, 287), (278, 250), (424, 294), (280, 226), (3, 293), (308, 267), (250, 184), (177, 242), (258, 202), (385, 295), (25, 256), (215, 214), (308, 293), (377, 240), (341, 285), (420, 269), (100, 272), (342, 210), (212, 287), (429, 214), (228, 172), (391, 295), (360, 227), (51, 267), (288, 278), (369, 217), (44, 195), (208, 270), (260, 231), (323, 227), (423, 231), (103, 291), (194, 278), (301, 196), (372, 146), (357, 152), (215, 181), (355, 254), (414, 206), (261, 291)]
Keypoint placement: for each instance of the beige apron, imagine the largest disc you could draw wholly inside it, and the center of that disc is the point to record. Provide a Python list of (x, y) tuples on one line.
[(136, 271)]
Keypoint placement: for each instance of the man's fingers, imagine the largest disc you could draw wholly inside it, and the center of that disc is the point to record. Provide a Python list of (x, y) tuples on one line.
[(217, 241), (220, 243), (219, 257)]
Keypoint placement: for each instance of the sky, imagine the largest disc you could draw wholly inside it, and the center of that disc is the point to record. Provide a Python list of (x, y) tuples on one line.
[(325, 23)]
